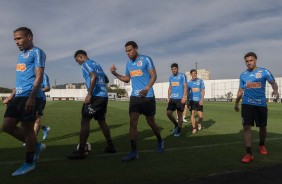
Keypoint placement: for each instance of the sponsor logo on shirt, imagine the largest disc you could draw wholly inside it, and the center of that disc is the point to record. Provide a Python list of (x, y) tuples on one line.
[(253, 85), (136, 73), (174, 83), (139, 63), (21, 67), (195, 89)]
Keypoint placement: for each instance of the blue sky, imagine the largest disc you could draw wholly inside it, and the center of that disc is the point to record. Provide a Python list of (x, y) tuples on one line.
[(214, 33)]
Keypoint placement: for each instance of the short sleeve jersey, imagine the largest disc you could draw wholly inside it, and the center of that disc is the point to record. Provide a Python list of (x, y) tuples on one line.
[(45, 83), (253, 83), (177, 82), (138, 70), (28, 61), (195, 88), (100, 88)]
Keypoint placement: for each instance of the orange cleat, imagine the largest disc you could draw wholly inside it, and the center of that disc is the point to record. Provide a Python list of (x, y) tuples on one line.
[(247, 158), (262, 150)]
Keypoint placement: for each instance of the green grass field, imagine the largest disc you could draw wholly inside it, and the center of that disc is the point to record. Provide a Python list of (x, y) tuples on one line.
[(217, 148)]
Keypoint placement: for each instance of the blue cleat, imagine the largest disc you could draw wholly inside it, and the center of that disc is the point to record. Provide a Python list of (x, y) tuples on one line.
[(25, 168), (131, 156), (176, 135), (160, 147), (45, 132), (39, 148), (174, 130)]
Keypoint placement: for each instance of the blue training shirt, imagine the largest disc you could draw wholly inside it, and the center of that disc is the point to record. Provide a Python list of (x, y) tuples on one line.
[(138, 70), (253, 83), (45, 83), (28, 61), (100, 88), (177, 83), (195, 88)]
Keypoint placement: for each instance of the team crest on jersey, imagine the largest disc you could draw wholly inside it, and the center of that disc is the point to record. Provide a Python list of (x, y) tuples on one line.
[(139, 63), (258, 75), (21, 67), (26, 55)]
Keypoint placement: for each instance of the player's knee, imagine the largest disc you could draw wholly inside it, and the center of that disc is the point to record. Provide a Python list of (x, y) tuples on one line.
[(7, 128)]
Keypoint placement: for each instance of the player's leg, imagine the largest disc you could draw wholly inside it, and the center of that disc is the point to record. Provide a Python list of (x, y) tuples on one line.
[(261, 122), (169, 112), (248, 122), (185, 112), (37, 125), (200, 117), (10, 126), (193, 121)]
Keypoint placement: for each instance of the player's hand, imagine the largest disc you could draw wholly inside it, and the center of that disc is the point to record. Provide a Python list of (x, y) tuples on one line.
[(30, 104), (87, 99), (113, 69), (237, 109), (144, 92), (6, 101), (201, 102), (275, 94), (183, 100)]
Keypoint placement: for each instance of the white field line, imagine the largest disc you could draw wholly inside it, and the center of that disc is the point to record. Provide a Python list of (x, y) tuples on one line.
[(141, 151)]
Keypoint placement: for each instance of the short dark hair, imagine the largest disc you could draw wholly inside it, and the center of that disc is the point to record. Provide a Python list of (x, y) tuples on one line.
[(193, 70), (26, 31), (250, 54), (80, 52), (133, 43), (174, 65)]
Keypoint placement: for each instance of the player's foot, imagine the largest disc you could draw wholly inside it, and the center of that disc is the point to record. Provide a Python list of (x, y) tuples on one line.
[(176, 134), (174, 130), (110, 149), (45, 132), (131, 156), (247, 158), (262, 150), (160, 146), (194, 131), (199, 127), (39, 148), (77, 155), (25, 168), (184, 120)]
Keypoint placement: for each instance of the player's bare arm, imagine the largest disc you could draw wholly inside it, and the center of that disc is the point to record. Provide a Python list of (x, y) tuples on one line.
[(153, 79), (183, 100), (30, 103), (91, 88), (275, 89), (239, 96), (119, 76), (8, 99)]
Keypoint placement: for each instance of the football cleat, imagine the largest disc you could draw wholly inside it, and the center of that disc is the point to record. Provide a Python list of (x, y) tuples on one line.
[(45, 132), (131, 156), (39, 148), (110, 149), (77, 155), (25, 168), (247, 158), (262, 150)]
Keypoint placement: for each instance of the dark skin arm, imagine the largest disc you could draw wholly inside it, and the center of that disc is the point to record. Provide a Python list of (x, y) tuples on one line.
[(117, 75), (91, 88), (153, 74)]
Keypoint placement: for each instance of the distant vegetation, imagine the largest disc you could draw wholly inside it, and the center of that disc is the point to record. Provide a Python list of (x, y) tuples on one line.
[(5, 90)]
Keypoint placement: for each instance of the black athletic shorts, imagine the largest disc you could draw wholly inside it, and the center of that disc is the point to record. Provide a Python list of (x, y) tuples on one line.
[(97, 109), (253, 113), (41, 107), (142, 105), (16, 109), (175, 104), (193, 105)]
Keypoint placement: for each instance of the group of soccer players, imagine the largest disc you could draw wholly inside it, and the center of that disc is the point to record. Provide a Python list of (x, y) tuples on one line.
[(25, 103)]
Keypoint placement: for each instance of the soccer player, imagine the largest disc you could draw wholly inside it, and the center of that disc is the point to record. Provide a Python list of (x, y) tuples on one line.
[(95, 104), (196, 91), (141, 71), (23, 104), (45, 87), (177, 93), (254, 107)]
